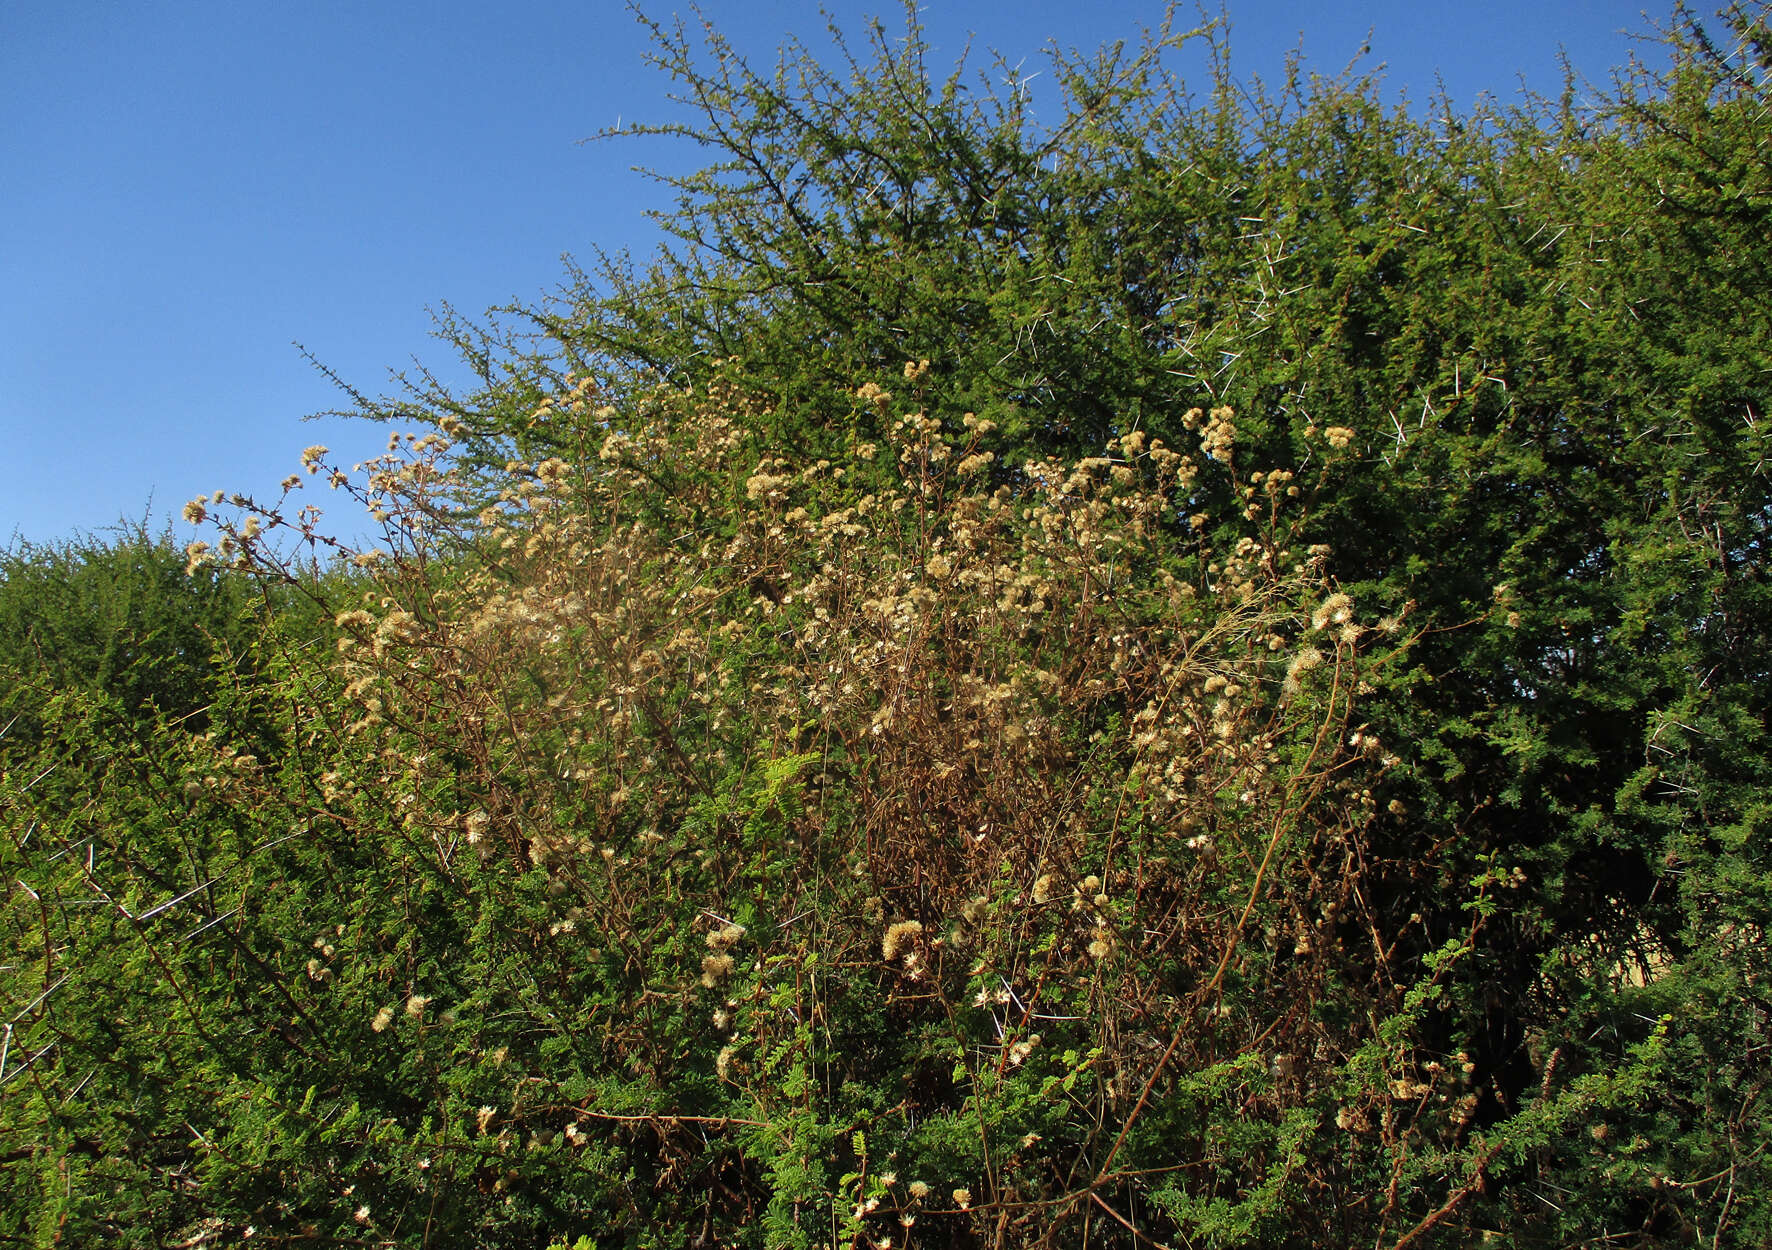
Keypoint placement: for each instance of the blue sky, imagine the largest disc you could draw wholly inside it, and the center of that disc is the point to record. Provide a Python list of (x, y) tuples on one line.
[(190, 188)]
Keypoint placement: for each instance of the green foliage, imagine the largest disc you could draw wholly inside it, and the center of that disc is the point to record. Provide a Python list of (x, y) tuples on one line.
[(1195, 675), (119, 619)]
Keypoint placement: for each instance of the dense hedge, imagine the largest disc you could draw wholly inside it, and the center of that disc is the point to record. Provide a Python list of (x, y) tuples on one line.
[(1195, 676)]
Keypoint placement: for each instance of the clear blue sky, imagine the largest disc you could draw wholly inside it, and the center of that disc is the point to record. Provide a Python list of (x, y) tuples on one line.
[(188, 188)]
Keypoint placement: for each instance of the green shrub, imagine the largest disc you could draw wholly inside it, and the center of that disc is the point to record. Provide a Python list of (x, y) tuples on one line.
[(1255, 735)]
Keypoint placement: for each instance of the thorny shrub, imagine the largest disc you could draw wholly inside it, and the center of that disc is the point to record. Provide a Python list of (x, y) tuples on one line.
[(909, 850)]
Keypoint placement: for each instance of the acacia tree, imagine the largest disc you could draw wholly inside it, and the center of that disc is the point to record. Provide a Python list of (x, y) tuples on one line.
[(1540, 330)]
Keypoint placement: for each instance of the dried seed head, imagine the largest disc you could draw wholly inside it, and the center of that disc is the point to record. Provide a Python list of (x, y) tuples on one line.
[(899, 937)]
